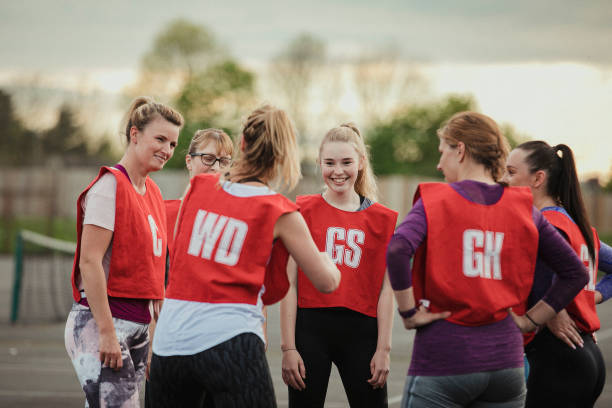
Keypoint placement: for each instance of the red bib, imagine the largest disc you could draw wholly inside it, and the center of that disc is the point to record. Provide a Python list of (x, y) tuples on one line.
[(139, 241), (357, 243), (477, 260), (223, 243), (582, 308), (172, 209)]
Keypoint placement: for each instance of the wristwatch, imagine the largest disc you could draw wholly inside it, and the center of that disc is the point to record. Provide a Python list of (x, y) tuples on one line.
[(407, 314)]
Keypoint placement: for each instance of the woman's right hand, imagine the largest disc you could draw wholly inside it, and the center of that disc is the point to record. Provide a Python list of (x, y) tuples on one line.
[(294, 371), (423, 317), (110, 351)]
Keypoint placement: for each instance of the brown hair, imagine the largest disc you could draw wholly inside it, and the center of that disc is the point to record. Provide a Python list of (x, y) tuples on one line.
[(203, 136), (269, 148), (365, 184), (562, 183), (484, 142), (143, 110)]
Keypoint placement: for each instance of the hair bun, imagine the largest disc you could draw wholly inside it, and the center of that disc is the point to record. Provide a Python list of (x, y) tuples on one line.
[(351, 126)]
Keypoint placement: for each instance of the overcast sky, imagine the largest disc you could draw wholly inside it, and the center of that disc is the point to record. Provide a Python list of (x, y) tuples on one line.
[(544, 66), (59, 34)]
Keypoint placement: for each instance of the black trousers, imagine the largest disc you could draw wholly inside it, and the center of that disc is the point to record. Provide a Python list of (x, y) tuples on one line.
[(233, 374), (345, 338), (562, 377)]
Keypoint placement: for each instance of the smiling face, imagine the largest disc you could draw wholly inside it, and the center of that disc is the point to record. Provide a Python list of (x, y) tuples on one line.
[(195, 164), (154, 144), (449, 161), (340, 164), (517, 170)]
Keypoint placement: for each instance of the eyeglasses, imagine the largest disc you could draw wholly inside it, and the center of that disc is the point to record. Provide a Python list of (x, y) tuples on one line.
[(211, 159)]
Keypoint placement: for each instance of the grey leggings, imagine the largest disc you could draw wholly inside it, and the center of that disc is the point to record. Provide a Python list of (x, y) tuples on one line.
[(104, 386), (494, 389)]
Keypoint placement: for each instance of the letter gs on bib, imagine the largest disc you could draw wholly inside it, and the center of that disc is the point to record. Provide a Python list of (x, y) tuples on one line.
[(337, 252)]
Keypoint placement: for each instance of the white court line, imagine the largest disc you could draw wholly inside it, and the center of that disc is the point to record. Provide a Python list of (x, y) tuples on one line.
[(20, 367), (40, 394)]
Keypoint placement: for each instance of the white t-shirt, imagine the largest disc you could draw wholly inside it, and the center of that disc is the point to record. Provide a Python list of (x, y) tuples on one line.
[(186, 327), (99, 209)]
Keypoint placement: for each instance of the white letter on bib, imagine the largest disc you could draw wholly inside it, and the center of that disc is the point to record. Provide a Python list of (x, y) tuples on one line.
[(472, 261), (586, 258), (492, 253), (335, 252), (353, 238), (157, 242), (206, 231), (237, 230)]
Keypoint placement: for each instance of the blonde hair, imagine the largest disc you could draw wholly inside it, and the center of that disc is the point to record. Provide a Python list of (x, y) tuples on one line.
[(484, 142), (269, 148), (365, 184), (203, 136), (143, 110)]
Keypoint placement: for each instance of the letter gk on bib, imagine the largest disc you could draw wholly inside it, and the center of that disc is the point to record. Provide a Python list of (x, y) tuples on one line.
[(481, 253)]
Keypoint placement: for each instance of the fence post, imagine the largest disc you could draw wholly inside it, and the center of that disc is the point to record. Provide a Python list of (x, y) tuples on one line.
[(17, 277)]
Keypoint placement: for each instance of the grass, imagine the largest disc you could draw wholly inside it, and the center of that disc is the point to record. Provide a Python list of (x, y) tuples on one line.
[(61, 228)]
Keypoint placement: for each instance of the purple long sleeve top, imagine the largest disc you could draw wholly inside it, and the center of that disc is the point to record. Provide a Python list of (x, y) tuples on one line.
[(445, 348)]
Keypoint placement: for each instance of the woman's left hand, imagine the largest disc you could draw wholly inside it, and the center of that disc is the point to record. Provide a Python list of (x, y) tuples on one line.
[(379, 368), (563, 327)]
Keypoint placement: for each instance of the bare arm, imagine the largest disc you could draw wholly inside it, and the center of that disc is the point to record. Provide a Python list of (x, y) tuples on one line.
[(94, 243), (293, 369), (320, 270), (379, 366)]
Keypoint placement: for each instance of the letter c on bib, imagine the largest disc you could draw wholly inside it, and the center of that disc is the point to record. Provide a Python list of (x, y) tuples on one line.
[(157, 242)]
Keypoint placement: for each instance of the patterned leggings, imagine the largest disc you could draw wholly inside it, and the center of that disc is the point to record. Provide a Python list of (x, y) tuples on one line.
[(103, 386), (233, 374)]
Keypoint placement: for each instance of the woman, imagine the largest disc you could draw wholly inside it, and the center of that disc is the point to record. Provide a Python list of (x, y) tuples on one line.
[(209, 338), (120, 259), (354, 230), (476, 244), (210, 151), (567, 367)]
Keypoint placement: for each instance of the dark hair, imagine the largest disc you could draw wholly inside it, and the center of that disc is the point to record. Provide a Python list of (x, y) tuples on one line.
[(562, 182), (483, 140)]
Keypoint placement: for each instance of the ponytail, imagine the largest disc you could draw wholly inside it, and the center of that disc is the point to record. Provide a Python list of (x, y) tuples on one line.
[(562, 182), (269, 148)]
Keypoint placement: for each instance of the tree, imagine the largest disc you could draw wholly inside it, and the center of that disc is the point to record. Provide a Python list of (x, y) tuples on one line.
[(382, 83), (294, 70), (19, 145), (218, 93), (408, 143), (178, 53), (216, 97), (66, 137)]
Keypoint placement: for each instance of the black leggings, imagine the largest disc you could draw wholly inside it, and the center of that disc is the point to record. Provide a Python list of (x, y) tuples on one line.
[(345, 338), (562, 377), (234, 374)]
